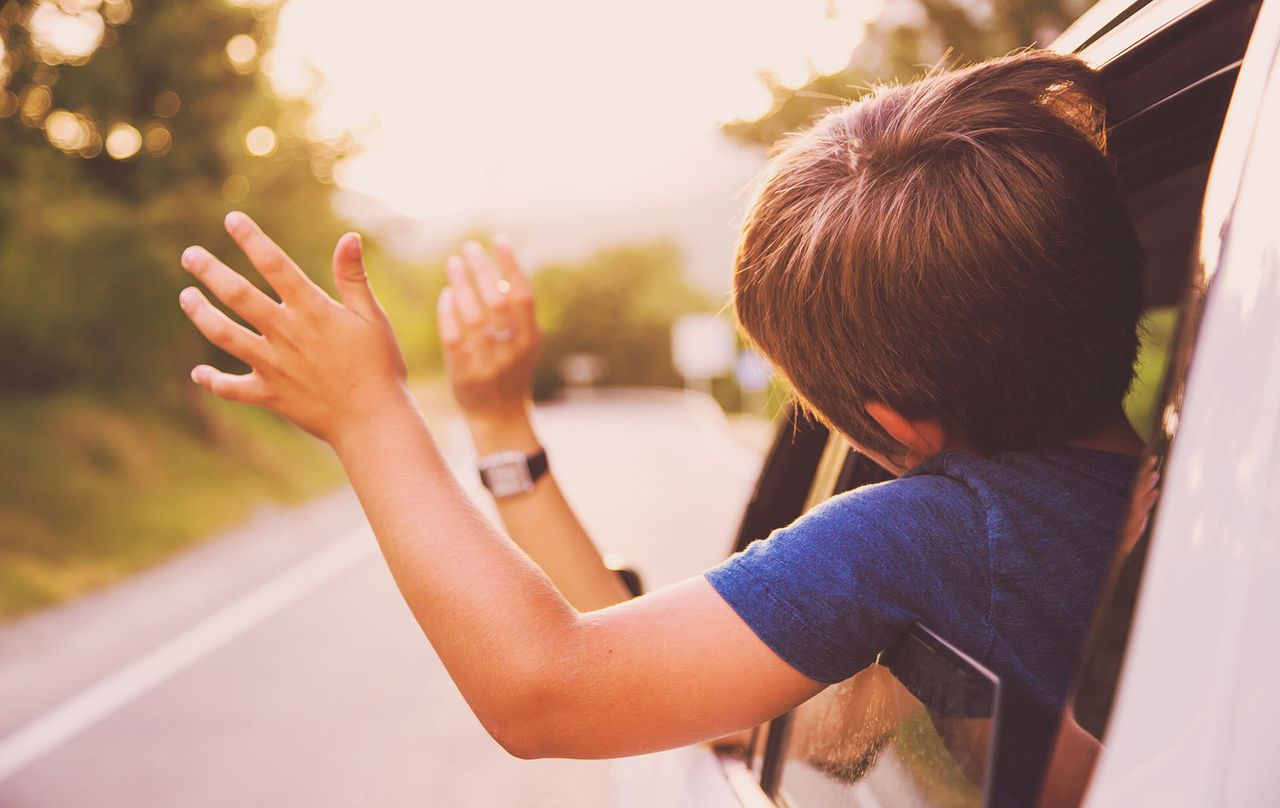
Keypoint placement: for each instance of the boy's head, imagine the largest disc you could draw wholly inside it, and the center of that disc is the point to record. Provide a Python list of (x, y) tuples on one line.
[(956, 249)]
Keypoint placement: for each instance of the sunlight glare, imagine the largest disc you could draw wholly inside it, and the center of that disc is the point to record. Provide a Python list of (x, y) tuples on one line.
[(242, 49), (261, 141), (123, 141), (67, 131), (489, 107), (70, 32)]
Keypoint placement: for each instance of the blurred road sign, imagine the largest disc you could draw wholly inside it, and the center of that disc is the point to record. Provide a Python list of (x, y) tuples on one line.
[(702, 346), (752, 371)]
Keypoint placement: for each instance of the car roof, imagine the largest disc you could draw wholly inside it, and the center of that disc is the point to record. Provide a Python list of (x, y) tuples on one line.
[(1111, 28)]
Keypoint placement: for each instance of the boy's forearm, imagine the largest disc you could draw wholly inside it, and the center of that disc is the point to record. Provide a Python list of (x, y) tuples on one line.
[(544, 525), (490, 613)]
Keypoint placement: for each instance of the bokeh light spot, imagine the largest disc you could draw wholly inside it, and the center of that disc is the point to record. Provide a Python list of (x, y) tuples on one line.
[(8, 103), (117, 12), (261, 141), (167, 104), (67, 131), (157, 140), (833, 44), (36, 100), (93, 148), (236, 188), (66, 32), (242, 49), (123, 141)]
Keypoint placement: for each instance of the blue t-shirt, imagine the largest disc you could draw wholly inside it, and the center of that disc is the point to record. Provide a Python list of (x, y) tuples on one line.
[(1004, 556)]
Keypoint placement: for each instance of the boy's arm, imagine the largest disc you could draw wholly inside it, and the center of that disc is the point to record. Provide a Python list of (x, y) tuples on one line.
[(491, 379), (545, 527), (667, 669)]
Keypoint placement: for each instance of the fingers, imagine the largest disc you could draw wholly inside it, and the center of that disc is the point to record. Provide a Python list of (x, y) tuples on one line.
[(230, 287), (470, 313), (447, 319), (521, 290), (248, 388), (486, 277), (351, 280), (220, 329), (494, 290), (271, 262)]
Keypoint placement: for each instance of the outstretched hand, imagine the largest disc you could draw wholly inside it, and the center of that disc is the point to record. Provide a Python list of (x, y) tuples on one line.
[(326, 365)]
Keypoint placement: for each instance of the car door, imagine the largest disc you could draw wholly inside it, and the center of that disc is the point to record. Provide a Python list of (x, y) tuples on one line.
[(1181, 677)]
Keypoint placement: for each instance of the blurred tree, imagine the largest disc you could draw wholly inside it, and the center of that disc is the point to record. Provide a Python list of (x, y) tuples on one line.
[(129, 127), (619, 305), (906, 39)]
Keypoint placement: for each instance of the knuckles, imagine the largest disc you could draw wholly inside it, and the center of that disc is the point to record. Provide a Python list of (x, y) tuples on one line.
[(238, 296)]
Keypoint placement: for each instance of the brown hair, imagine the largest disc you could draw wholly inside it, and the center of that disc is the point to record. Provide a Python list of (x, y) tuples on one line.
[(957, 248)]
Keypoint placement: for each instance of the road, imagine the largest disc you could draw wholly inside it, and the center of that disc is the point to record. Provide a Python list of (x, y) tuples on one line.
[(276, 665)]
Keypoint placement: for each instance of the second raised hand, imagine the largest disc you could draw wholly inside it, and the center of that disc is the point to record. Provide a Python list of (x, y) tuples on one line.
[(326, 365), (491, 340)]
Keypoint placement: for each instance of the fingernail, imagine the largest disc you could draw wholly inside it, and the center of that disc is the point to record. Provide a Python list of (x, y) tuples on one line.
[(197, 373), (234, 219), (454, 264), (189, 256), (187, 298), (355, 248)]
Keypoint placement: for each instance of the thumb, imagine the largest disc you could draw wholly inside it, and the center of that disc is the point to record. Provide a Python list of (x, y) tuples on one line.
[(351, 279)]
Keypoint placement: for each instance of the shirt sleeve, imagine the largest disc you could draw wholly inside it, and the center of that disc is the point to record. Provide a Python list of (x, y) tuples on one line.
[(830, 591)]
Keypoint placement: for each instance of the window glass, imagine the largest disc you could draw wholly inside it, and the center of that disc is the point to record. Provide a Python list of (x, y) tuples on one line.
[(917, 728)]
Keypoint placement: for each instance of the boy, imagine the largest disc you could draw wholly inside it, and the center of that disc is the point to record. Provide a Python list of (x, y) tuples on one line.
[(961, 249)]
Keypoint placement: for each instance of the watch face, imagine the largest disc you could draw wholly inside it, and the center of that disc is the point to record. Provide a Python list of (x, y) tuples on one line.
[(506, 474)]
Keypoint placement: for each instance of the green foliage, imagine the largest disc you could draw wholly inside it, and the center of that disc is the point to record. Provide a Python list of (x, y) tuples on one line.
[(619, 304), (910, 37), (92, 489), (89, 243), (1142, 404)]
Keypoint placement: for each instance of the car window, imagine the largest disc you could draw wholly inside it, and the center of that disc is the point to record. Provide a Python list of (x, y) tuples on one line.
[(916, 728)]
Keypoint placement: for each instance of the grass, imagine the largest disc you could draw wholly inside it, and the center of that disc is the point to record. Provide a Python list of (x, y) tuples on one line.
[(91, 490)]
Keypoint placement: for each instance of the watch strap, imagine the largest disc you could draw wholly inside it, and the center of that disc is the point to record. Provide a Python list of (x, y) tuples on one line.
[(502, 474), (538, 464)]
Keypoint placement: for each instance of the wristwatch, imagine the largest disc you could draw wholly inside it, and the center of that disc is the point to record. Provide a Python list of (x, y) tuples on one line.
[(512, 473)]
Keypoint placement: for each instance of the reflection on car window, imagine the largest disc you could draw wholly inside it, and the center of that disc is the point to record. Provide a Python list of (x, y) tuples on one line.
[(917, 729)]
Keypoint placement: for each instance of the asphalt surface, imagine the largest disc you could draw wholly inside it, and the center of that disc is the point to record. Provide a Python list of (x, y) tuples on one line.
[(276, 665)]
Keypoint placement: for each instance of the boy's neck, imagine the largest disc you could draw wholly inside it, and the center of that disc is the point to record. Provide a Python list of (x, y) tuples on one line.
[(1115, 436)]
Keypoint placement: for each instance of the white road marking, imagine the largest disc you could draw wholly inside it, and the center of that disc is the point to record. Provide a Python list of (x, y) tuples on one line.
[(62, 723)]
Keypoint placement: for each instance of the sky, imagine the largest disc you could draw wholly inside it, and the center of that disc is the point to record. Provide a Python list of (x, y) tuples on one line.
[(567, 124)]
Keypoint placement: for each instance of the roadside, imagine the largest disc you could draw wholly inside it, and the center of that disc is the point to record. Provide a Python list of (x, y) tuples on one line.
[(276, 664), (92, 491)]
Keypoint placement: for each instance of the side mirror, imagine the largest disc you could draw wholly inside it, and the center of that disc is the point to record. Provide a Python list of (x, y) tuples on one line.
[(630, 578)]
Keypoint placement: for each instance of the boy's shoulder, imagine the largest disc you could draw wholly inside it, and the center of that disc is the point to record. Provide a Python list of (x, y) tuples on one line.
[(933, 546)]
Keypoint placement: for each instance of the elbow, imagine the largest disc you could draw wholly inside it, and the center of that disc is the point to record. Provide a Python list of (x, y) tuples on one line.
[(521, 741), (524, 731), (530, 719)]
